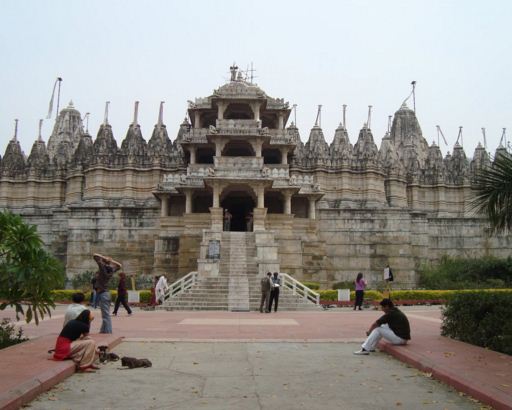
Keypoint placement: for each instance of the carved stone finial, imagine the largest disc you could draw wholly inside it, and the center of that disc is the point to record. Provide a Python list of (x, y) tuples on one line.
[(39, 137), (15, 138), (161, 114), (233, 70), (135, 113), (105, 119)]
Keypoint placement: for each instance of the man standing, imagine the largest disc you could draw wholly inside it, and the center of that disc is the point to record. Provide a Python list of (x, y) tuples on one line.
[(106, 268), (274, 293), (392, 326), (227, 220), (266, 286)]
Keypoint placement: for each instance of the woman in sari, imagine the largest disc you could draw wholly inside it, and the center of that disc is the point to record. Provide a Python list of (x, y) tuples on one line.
[(74, 344)]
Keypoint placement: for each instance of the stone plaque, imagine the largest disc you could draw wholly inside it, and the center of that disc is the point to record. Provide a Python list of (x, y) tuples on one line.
[(213, 249)]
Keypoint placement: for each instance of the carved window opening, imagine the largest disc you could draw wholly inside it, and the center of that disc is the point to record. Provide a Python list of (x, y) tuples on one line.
[(269, 121), (238, 111), (171, 245), (238, 149), (208, 118), (205, 155), (300, 207), (202, 202), (271, 156), (176, 205), (274, 202)]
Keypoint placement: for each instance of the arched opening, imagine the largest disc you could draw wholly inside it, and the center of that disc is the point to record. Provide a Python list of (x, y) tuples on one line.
[(202, 201), (271, 156), (208, 118), (300, 207), (274, 202), (205, 155), (238, 111), (238, 149), (240, 204)]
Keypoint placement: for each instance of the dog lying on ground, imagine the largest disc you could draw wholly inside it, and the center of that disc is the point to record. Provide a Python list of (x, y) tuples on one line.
[(106, 356), (133, 363)]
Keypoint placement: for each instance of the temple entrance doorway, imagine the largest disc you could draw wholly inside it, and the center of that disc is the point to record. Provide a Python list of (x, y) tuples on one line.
[(240, 205)]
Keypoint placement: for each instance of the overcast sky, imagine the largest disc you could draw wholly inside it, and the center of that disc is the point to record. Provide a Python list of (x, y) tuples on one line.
[(308, 52)]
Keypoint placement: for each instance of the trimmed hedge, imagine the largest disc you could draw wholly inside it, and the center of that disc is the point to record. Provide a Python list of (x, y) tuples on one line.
[(480, 318), (410, 295), (64, 296), (332, 295), (312, 285)]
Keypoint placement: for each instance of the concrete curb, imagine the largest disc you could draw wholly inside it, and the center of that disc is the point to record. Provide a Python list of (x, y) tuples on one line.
[(54, 373), (485, 393)]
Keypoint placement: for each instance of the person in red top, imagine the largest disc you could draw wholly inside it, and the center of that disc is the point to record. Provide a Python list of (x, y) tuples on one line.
[(122, 295), (73, 343)]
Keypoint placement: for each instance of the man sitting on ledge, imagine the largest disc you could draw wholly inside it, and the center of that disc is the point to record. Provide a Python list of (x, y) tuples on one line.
[(392, 326)]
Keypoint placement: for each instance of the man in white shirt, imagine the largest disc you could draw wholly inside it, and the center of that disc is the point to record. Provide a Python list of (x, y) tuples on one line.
[(75, 308)]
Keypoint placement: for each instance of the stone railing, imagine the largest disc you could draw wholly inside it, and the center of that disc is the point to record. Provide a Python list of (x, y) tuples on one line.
[(186, 282), (298, 288), (244, 124), (195, 135)]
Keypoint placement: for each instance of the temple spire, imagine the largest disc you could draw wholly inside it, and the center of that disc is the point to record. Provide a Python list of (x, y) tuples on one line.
[(389, 123), (344, 116), (161, 115), (105, 119)]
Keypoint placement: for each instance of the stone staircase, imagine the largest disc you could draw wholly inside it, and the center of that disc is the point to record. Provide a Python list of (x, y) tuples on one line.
[(236, 288)]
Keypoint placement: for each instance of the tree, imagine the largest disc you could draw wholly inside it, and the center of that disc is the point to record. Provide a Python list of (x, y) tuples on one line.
[(28, 273), (493, 193)]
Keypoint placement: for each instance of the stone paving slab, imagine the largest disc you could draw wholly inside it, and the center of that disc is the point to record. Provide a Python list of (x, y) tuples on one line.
[(26, 372), (482, 373), (254, 376)]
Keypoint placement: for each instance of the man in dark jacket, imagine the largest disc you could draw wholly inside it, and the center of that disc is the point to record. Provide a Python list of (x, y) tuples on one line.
[(266, 286), (106, 268), (392, 326)]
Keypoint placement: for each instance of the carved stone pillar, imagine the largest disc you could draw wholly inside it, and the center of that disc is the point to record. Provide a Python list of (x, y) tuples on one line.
[(219, 146), (287, 202), (221, 107), (281, 121), (312, 210), (261, 197), (255, 106), (256, 145), (197, 122), (192, 151), (188, 202), (164, 210), (284, 156), (216, 196)]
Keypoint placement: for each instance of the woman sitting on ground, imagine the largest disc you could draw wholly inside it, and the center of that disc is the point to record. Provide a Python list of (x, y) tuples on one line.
[(74, 344)]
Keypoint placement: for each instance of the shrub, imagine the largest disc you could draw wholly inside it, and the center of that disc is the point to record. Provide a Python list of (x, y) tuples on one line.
[(312, 285), (332, 295), (82, 281), (460, 273), (64, 296), (9, 335), (480, 318), (347, 284)]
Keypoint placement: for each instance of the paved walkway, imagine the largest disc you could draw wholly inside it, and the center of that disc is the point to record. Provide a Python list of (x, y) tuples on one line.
[(484, 374)]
